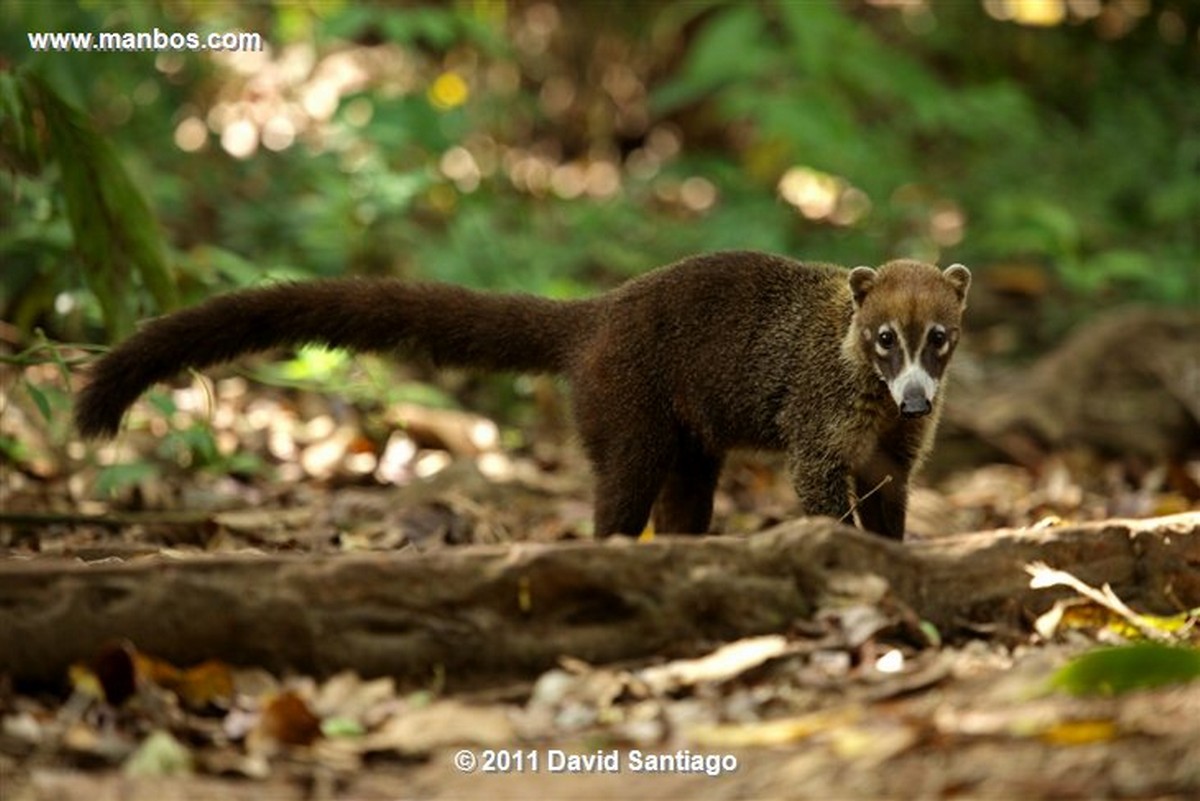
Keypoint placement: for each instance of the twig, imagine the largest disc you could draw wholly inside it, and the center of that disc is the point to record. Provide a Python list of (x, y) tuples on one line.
[(858, 501), (108, 520)]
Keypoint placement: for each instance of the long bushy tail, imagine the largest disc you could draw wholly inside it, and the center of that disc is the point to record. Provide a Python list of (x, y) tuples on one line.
[(453, 326)]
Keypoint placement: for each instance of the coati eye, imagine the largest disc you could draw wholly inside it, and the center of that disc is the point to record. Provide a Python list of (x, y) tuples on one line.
[(887, 339), (937, 337)]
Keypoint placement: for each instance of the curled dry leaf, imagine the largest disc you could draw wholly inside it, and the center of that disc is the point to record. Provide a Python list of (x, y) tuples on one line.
[(722, 664), (286, 719), (115, 669), (460, 433), (346, 697), (1046, 576)]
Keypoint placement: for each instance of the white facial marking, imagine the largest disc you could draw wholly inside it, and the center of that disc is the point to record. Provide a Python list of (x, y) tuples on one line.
[(913, 374)]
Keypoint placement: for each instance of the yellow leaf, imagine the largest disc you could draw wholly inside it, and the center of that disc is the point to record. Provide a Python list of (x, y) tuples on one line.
[(775, 732), (84, 682), (524, 595), (1080, 732)]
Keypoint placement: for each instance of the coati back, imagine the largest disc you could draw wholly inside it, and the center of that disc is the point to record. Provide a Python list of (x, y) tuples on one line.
[(669, 371)]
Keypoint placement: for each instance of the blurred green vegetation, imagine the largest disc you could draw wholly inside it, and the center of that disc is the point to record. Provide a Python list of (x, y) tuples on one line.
[(559, 147)]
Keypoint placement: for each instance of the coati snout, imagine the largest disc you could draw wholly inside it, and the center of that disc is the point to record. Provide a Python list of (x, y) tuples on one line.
[(668, 372), (915, 403)]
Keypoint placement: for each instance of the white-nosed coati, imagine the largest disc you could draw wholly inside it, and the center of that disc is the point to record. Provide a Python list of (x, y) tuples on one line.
[(669, 371)]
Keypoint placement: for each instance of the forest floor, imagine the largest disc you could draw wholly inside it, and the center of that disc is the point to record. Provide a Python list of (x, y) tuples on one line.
[(861, 697)]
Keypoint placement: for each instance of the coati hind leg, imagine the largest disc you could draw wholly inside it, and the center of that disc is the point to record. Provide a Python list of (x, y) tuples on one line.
[(625, 491), (630, 466), (685, 504)]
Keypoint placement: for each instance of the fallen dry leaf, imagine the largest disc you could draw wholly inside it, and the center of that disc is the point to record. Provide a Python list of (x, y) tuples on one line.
[(722, 664), (287, 719), (442, 723), (776, 732)]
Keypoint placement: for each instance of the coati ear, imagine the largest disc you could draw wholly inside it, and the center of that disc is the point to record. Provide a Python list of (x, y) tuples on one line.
[(960, 278), (861, 281)]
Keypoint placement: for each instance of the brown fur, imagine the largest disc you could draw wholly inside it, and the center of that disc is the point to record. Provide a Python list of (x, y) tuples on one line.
[(669, 371)]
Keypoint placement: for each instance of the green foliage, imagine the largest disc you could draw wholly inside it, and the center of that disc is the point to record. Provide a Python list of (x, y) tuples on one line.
[(192, 447), (1054, 145), (113, 227), (50, 399), (708, 68), (1112, 671), (40, 399), (114, 479), (1058, 146), (367, 380), (114, 233), (20, 147)]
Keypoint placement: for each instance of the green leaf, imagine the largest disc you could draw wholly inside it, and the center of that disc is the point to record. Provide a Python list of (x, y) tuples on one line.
[(197, 441), (40, 400), (315, 363), (114, 478), (160, 754), (1111, 671), (245, 464), (732, 48), (1122, 264), (819, 33), (13, 449), (113, 227), (20, 147), (438, 27), (342, 727), (162, 402)]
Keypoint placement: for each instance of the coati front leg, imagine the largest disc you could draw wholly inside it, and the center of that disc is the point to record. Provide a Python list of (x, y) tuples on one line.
[(822, 484), (882, 501), (685, 504), (881, 485)]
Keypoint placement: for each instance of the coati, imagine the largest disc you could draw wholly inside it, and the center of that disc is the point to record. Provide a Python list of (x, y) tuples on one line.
[(840, 369)]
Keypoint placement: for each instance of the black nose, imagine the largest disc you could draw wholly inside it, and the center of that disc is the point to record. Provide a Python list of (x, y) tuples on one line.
[(915, 404)]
